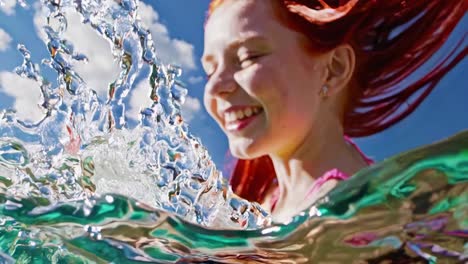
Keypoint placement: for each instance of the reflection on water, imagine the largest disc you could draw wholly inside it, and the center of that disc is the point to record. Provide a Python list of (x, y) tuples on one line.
[(85, 186), (410, 208)]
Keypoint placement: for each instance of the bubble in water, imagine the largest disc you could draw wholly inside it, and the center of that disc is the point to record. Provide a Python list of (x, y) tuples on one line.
[(13, 154)]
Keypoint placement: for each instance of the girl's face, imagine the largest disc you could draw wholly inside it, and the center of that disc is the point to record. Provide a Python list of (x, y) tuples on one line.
[(263, 88)]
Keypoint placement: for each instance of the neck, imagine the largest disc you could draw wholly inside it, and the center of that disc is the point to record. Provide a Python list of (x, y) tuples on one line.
[(319, 152)]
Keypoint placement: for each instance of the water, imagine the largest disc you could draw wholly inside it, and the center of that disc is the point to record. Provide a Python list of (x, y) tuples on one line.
[(413, 207), (87, 184), (85, 146)]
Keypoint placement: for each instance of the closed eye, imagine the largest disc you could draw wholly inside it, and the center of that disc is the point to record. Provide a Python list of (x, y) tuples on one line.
[(209, 71), (249, 60), (208, 76)]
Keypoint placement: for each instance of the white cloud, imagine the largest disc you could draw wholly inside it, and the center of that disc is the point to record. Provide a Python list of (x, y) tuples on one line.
[(101, 68), (8, 6), (140, 98), (5, 40), (169, 50), (190, 108), (27, 94), (195, 79)]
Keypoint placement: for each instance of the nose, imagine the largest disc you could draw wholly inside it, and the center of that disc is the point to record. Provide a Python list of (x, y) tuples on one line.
[(221, 84)]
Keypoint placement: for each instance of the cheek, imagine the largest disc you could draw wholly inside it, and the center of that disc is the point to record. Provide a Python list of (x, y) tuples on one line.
[(255, 80), (210, 105)]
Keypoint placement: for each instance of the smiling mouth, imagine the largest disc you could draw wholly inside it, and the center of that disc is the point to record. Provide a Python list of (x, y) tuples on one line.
[(240, 118)]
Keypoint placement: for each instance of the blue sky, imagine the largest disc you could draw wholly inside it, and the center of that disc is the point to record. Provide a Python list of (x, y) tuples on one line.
[(177, 27)]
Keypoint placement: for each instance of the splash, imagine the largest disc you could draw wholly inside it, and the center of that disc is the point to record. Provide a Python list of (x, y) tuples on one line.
[(409, 209), (84, 185), (85, 146)]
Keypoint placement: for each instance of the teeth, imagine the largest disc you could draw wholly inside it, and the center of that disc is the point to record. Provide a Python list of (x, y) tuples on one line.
[(248, 112), (241, 114), (233, 116)]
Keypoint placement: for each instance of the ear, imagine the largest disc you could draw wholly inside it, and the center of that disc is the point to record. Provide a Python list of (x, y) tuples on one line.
[(340, 68)]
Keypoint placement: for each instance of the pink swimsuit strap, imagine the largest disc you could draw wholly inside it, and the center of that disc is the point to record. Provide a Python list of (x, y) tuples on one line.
[(333, 174)]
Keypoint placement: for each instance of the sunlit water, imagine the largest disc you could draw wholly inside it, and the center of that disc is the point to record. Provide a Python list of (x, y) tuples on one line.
[(84, 185)]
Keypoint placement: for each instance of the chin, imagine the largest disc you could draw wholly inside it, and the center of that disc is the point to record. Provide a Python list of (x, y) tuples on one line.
[(245, 150)]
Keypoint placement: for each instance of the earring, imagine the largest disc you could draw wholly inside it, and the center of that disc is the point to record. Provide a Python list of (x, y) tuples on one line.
[(324, 91)]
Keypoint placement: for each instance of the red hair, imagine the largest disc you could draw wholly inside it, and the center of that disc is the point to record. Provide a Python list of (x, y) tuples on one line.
[(393, 41)]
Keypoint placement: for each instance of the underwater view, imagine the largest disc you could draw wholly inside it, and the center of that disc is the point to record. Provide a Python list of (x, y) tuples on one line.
[(95, 180)]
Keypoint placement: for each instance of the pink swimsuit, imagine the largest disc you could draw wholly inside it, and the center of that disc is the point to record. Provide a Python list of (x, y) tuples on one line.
[(334, 174)]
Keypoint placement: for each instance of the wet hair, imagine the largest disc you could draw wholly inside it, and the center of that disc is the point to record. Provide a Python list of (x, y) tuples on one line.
[(400, 60)]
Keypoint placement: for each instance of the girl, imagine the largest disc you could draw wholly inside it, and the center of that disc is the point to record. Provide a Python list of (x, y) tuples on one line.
[(289, 81)]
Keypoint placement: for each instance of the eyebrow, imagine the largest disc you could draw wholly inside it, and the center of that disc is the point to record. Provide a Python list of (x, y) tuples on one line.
[(234, 45)]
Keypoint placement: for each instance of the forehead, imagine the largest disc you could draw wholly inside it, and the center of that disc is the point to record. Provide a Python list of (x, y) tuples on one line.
[(239, 19)]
